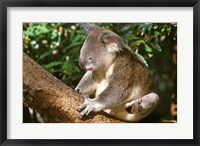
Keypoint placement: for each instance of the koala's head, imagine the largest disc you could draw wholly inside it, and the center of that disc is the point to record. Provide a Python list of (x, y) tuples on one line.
[(99, 49)]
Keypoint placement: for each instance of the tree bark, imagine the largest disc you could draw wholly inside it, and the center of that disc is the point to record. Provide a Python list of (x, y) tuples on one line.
[(54, 100)]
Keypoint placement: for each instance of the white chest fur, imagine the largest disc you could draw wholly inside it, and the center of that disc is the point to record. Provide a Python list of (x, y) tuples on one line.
[(101, 87), (104, 82)]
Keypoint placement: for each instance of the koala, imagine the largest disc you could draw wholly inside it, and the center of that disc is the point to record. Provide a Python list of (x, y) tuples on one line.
[(116, 80)]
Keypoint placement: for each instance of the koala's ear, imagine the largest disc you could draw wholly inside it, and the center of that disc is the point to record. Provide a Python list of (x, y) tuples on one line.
[(105, 38), (113, 42), (88, 27)]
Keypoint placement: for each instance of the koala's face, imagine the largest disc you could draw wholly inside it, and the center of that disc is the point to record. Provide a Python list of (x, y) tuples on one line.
[(99, 49)]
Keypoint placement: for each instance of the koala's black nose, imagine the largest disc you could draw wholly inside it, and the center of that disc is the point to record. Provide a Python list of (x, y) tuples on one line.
[(89, 58), (81, 63)]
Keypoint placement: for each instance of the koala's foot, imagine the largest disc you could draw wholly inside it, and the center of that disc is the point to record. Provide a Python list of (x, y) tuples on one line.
[(90, 105), (87, 106), (85, 96), (134, 106), (146, 104)]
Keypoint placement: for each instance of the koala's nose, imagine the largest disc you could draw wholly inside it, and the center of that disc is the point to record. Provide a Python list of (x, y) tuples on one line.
[(89, 59), (81, 63)]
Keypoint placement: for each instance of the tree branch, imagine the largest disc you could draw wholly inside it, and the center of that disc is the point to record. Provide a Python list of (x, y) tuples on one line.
[(53, 99)]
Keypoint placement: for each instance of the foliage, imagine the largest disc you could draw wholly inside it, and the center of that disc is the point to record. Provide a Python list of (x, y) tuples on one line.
[(56, 47), (144, 38)]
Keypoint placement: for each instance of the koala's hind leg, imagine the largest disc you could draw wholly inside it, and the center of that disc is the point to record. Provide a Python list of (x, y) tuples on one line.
[(142, 107)]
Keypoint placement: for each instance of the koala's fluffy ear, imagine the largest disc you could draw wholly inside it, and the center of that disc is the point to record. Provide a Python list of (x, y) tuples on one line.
[(88, 27), (113, 42), (106, 37)]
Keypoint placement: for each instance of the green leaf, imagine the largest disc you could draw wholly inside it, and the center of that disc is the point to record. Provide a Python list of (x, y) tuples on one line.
[(144, 28), (76, 38), (148, 48), (142, 58), (156, 33), (68, 66), (73, 45), (157, 47), (42, 56), (131, 37), (150, 55), (136, 43), (54, 34), (53, 64), (163, 29)]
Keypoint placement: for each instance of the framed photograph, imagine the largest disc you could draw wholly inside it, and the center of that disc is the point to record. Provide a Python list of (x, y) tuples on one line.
[(99, 72)]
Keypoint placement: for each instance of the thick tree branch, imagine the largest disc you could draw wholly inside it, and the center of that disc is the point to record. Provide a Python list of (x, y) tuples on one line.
[(52, 99)]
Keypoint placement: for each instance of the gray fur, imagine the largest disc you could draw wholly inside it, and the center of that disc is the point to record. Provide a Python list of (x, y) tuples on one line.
[(115, 76)]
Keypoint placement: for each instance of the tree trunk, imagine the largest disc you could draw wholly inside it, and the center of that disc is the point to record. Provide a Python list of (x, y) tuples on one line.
[(54, 100)]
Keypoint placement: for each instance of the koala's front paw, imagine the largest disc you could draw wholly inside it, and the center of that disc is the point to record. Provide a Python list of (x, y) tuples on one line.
[(85, 96), (86, 107)]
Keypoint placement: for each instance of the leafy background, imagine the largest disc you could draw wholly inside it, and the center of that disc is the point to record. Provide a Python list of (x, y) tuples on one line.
[(56, 47)]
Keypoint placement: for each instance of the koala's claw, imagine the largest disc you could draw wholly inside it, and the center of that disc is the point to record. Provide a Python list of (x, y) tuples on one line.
[(86, 107), (86, 111), (77, 90), (82, 106)]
